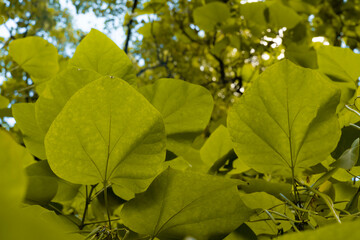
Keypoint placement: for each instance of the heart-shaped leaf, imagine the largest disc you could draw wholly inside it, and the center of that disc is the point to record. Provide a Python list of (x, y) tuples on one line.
[(278, 125), (107, 132)]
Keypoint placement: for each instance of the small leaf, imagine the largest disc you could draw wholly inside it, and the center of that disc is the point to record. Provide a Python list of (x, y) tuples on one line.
[(349, 158), (278, 125), (107, 132), (216, 146), (99, 53), (179, 204), (36, 56), (211, 14)]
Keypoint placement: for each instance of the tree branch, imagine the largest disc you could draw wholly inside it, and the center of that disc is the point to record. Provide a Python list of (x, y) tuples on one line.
[(128, 35)]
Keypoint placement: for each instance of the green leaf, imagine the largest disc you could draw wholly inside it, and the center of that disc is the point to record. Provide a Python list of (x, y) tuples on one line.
[(208, 16), (107, 132), (346, 230), (216, 146), (254, 12), (259, 201), (4, 102), (99, 53), (278, 125), (36, 56), (349, 158), (272, 188), (341, 66), (33, 136), (59, 91), (281, 15), (185, 107), (179, 204), (302, 55), (34, 223), (13, 179), (42, 184)]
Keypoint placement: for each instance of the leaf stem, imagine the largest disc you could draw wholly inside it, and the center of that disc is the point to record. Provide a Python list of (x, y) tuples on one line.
[(87, 202), (91, 223), (107, 203)]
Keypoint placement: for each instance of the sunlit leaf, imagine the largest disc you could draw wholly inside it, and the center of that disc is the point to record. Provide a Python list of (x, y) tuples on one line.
[(185, 107), (99, 53), (107, 132), (36, 56)]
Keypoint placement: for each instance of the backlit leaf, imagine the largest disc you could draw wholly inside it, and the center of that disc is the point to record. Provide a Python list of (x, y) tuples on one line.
[(185, 107), (99, 53), (36, 56), (179, 204), (278, 125), (107, 132)]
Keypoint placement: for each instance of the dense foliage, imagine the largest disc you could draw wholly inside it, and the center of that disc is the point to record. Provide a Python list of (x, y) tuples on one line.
[(246, 148)]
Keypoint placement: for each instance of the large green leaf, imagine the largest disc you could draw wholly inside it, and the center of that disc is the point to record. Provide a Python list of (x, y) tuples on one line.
[(211, 14), (99, 53), (33, 136), (59, 91), (278, 125), (185, 107), (36, 56), (347, 230), (107, 132), (12, 157), (179, 204)]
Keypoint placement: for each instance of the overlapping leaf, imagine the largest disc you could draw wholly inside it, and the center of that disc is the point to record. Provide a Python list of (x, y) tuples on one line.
[(33, 136), (99, 53), (107, 132)]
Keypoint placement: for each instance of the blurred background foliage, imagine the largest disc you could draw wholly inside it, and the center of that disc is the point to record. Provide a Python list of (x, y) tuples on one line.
[(221, 45)]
